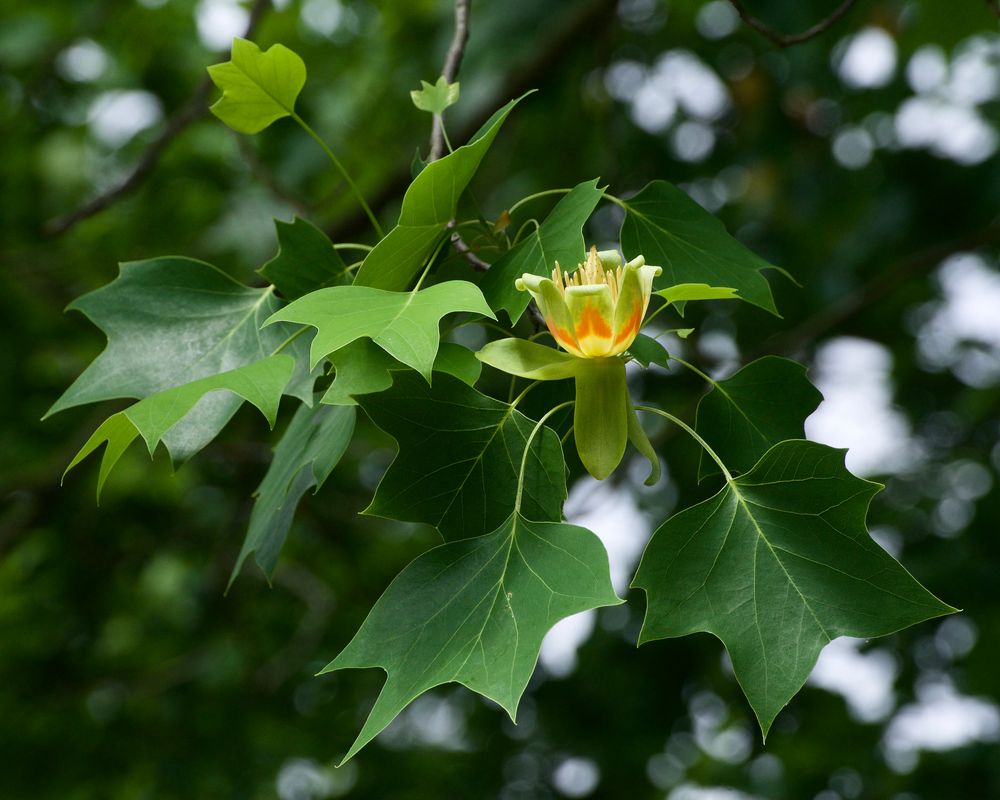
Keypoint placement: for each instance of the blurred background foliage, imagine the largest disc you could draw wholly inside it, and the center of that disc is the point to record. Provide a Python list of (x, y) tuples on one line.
[(864, 161)]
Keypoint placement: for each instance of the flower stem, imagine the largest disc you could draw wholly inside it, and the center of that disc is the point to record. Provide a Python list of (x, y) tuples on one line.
[(694, 435), (340, 168)]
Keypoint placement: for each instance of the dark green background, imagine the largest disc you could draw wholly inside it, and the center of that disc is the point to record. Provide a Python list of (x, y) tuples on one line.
[(125, 673)]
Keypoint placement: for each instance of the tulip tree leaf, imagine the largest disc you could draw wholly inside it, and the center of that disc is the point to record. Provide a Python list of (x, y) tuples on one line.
[(671, 230), (429, 204), (475, 612), (170, 321), (306, 260), (306, 454), (365, 368), (743, 416), (260, 383), (558, 238), (435, 97), (776, 565), (459, 456), (647, 350), (404, 324), (257, 87)]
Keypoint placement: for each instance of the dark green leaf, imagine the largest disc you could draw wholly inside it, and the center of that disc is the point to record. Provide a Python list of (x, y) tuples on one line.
[(743, 416), (428, 206), (305, 456), (671, 230), (459, 456), (306, 260), (647, 350), (404, 324), (170, 321), (777, 564), (475, 612), (558, 238), (257, 88)]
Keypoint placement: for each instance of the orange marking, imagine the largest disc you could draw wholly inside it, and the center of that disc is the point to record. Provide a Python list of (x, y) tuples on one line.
[(631, 326), (563, 336), (592, 323)]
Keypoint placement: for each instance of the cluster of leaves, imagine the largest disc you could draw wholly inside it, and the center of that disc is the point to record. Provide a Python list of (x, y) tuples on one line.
[(776, 564)]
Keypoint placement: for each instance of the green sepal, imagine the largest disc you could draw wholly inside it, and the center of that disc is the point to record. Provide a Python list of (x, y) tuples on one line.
[(600, 420), (641, 442), (529, 360)]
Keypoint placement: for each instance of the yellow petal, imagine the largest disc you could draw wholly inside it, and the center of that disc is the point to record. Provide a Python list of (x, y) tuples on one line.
[(553, 308), (592, 313)]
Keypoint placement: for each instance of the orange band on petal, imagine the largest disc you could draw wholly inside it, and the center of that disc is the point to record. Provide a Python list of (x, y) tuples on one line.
[(631, 326), (592, 324)]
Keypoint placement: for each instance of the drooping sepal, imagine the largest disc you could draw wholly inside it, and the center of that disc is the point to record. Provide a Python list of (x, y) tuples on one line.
[(600, 420)]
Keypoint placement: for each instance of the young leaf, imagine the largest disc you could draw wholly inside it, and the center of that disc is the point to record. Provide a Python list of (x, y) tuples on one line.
[(170, 321), (306, 260), (776, 565), (365, 368), (435, 97), (260, 383), (428, 206), (475, 612), (257, 88), (672, 230), (683, 292), (305, 456), (558, 238), (459, 456), (404, 324), (746, 414)]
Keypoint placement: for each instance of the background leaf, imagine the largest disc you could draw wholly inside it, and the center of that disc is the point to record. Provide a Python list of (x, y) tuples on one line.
[(257, 88), (475, 612), (404, 324), (459, 456), (306, 260), (743, 416), (435, 97), (672, 231), (429, 205), (170, 321), (306, 454), (558, 238), (777, 564)]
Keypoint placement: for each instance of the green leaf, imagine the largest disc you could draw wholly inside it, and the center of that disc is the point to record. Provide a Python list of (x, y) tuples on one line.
[(776, 565), (558, 238), (429, 205), (743, 416), (365, 368), (404, 324), (670, 229), (170, 321), (601, 414), (435, 97), (459, 456), (306, 260), (260, 383), (647, 350), (529, 360), (257, 88), (683, 292), (475, 612), (309, 449)]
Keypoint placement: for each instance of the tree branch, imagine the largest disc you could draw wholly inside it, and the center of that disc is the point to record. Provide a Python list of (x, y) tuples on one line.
[(191, 112), (787, 40), (452, 62)]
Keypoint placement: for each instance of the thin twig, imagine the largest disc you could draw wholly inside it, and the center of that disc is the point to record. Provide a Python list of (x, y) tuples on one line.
[(467, 253), (452, 62), (789, 39), (191, 112)]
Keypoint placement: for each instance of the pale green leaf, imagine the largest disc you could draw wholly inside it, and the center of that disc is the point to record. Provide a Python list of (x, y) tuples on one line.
[(257, 87), (429, 205), (743, 416), (475, 612), (529, 360), (459, 456), (404, 324), (435, 97), (170, 321), (558, 238), (306, 454), (671, 230), (776, 565), (260, 383), (306, 260)]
